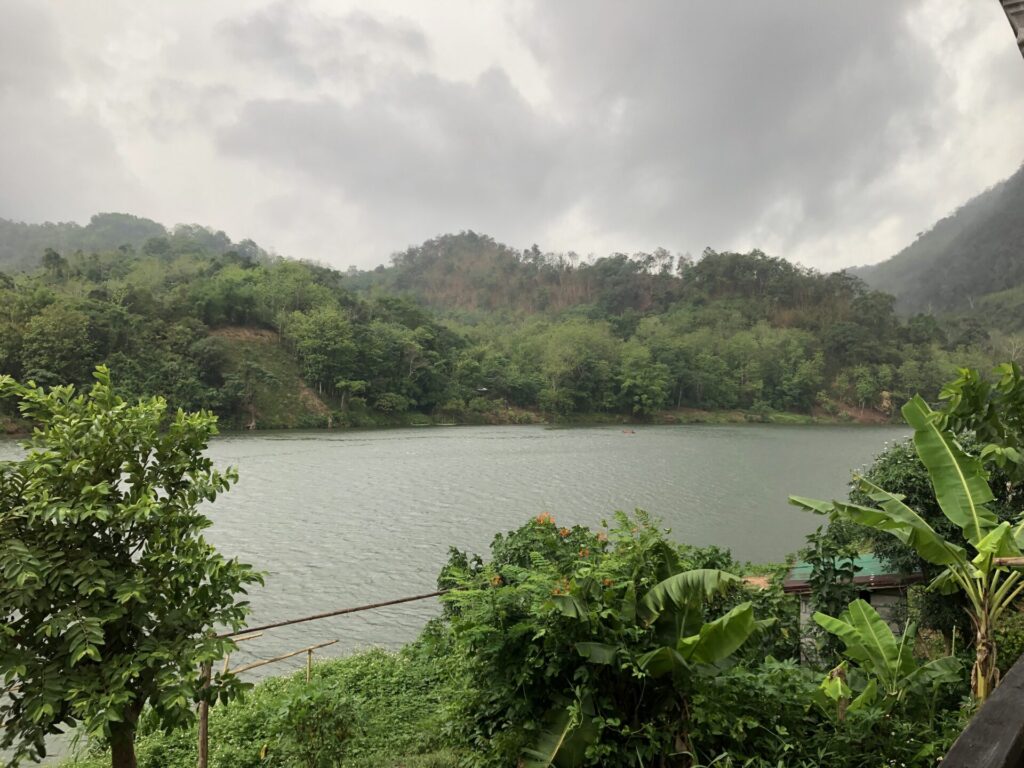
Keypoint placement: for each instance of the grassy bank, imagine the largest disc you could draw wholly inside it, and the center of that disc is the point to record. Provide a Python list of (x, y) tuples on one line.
[(393, 705)]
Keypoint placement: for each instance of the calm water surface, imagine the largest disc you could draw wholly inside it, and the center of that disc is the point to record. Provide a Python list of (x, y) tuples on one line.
[(338, 519)]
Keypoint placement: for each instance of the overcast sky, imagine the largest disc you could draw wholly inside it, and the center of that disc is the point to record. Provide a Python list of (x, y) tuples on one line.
[(829, 133)]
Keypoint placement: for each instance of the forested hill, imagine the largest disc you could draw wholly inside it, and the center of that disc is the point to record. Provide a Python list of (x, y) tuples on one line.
[(975, 252), (22, 246), (471, 272), (465, 329), (471, 275)]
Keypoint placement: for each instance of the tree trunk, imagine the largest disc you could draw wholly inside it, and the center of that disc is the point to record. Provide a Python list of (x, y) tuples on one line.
[(985, 674), (122, 747)]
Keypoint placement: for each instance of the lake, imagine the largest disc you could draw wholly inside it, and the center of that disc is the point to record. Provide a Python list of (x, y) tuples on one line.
[(338, 519)]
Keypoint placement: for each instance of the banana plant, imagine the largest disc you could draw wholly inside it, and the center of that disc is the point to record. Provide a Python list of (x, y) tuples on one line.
[(671, 617), (961, 489), (674, 607), (892, 670)]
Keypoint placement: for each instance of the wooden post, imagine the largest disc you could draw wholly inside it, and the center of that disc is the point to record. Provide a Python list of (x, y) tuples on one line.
[(204, 719), (309, 665)]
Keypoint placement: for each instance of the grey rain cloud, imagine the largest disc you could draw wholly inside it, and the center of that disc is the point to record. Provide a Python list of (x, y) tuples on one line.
[(48, 149), (826, 133)]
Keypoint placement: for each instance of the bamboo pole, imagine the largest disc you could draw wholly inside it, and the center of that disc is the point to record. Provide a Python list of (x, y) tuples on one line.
[(309, 666), (264, 662), (239, 639), (339, 612), (1014, 562)]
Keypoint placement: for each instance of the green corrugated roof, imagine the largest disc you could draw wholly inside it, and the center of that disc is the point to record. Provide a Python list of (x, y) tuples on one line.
[(867, 565)]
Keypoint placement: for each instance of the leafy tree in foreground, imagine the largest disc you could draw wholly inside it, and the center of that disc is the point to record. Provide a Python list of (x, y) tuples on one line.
[(962, 492), (994, 412), (108, 591)]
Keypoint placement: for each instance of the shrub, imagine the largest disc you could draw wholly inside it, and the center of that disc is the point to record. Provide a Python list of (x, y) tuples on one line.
[(314, 726)]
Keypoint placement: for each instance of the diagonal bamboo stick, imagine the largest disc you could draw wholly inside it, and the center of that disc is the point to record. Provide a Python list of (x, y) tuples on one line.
[(263, 662)]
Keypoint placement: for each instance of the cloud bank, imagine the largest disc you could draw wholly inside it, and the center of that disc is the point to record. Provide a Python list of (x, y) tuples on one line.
[(826, 133)]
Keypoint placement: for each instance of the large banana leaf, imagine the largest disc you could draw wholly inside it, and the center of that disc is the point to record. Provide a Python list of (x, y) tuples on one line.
[(598, 653), (894, 659), (866, 698), (684, 590), (663, 661), (549, 744), (870, 642), (920, 535), (948, 669), (894, 517), (564, 740), (958, 479), (945, 583), (845, 631), (718, 639), (999, 542)]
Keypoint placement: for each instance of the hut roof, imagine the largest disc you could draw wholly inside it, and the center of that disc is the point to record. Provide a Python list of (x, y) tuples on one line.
[(870, 575)]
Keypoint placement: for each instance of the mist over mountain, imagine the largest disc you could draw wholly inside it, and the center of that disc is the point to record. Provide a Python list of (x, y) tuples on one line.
[(974, 253), (22, 245)]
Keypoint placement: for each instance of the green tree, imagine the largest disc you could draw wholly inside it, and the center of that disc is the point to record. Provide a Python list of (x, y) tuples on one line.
[(643, 384), (993, 411), (57, 347), (109, 594), (323, 342)]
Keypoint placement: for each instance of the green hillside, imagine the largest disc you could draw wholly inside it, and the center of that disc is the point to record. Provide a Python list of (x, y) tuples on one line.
[(280, 398), (976, 251), (464, 329)]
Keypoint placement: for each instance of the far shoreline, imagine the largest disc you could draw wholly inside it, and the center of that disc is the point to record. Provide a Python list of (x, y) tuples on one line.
[(13, 429)]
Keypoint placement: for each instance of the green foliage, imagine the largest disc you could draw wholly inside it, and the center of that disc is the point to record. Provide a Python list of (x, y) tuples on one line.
[(109, 594), (993, 411), (551, 653), (583, 647), (385, 710), (314, 726), (175, 313), (762, 716), (894, 677), (831, 583), (899, 470), (1009, 637), (961, 490)]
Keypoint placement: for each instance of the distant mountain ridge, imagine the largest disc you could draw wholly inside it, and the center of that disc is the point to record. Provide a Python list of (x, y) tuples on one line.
[(976, 251), (22, 245)]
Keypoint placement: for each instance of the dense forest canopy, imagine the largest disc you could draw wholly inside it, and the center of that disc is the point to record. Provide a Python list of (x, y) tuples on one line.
[(460, 326)]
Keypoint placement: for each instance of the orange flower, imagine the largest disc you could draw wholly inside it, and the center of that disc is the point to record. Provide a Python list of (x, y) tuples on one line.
[(544, 518), (496, 581), (607, 582), (564, 532), (602, 536), (585, 552)]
